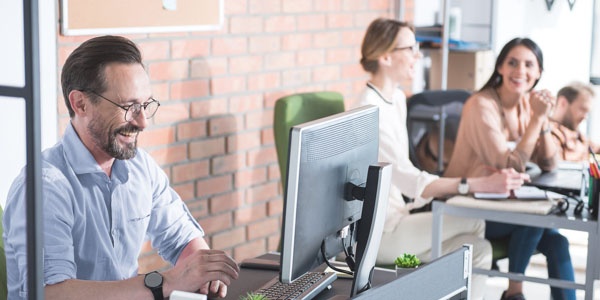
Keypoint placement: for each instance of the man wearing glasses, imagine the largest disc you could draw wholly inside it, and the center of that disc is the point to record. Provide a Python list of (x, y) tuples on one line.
[(102, 196)]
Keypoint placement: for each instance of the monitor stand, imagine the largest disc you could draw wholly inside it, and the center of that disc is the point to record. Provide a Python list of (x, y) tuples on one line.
[(370, 226)]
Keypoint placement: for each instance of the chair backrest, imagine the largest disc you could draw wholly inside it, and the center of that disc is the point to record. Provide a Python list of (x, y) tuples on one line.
[(432, 122), (297, 109)]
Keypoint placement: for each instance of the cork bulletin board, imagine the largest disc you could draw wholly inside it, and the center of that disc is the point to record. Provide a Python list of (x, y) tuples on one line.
[(89, 17)]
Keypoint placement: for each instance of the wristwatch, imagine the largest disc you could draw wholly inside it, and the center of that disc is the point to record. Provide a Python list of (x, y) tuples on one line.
[(154, 281), (463, 186)]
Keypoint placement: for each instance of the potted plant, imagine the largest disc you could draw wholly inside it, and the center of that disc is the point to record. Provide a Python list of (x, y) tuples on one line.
[(407, 261)]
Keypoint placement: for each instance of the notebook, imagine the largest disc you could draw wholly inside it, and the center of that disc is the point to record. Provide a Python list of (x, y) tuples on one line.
[(540, 207)]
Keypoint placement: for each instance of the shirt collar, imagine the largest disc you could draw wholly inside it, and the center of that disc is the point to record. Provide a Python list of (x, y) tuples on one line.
[(80, 158)]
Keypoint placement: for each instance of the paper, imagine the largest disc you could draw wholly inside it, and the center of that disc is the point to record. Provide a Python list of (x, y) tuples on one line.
[(541, 207), (523, 193)]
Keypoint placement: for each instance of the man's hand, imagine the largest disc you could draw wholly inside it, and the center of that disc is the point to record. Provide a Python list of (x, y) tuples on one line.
[(207, 271)]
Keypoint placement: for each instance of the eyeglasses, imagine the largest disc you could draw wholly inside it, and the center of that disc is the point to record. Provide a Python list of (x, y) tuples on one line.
[(133, 111), (414, 48)]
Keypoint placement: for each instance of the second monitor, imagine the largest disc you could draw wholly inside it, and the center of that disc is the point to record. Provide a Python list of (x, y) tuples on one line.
[(336, 195)]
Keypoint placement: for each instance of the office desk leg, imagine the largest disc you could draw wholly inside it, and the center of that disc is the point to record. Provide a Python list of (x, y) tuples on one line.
[(436, 236), (591, 269)]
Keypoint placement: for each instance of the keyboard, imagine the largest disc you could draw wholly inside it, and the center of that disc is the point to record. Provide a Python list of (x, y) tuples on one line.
[(306, 286)]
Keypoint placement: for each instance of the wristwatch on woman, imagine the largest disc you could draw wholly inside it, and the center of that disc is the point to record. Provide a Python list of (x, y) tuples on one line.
[(154, 281), (463, 186)]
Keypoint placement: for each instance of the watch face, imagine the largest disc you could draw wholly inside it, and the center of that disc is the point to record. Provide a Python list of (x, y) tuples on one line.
[(153, 279)]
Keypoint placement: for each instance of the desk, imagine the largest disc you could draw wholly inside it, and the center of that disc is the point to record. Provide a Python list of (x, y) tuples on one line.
[(566, 221), (450, 275)]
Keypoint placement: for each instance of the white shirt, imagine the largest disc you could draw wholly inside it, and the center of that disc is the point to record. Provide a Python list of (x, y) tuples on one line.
[(393, 148)]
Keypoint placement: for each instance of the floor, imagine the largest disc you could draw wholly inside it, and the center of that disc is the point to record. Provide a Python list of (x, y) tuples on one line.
[(537, 267)]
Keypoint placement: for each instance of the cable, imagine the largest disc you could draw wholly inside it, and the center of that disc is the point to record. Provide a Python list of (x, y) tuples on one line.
[(329, 264)]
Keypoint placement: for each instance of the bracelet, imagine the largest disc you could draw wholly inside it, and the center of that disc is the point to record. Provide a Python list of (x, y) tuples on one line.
[(544, 131)]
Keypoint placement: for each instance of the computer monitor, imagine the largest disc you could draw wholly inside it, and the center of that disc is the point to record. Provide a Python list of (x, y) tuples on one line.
[(336, 194)]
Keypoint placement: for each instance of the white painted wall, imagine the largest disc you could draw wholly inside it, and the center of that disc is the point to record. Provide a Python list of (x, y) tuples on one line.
[(12, 73)]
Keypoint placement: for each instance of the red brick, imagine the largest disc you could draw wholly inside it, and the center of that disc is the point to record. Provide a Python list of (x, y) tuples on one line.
[(229, 46), (330, 5), (311, 57), (245, 24), (214, 185), (279, 61), (265, 44), (326, 40), (273, 242), (189, 89), (207, 147), (263, 228), (272, 97), (250, 250), (172, 112), (326, 73), (294, 77), (226, 85), (267, 136), (311, 22), (379, 4), (223, 125), (282, 23), (297, 6), (259, 120), (160, 92), (216, 223), (262, 192), (264, 81), (264, 6), (275, 207), (245, 64), (244, 103), (262, 156), (296, 41), (341, 55), (205, 108), (186, 191), (353, 38), (154, 50), (343, 87), (249, 177), (190, 48), (208, 67), (169, 155), (243, 141), (190, 171), (248, 214), (235, 8), (274, 173), (227, 163), (340, 20), (191, 130), (156, 137), (226, 202), (169, 70), (225, 240)]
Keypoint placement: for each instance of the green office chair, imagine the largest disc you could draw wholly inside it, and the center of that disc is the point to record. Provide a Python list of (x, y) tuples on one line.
[(3, 279), (297, 109)]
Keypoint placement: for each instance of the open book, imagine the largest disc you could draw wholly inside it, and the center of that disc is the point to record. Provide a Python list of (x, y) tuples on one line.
[(523, 193)]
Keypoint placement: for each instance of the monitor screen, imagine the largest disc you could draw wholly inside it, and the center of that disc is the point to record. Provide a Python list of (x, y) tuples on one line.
[(328, 163)]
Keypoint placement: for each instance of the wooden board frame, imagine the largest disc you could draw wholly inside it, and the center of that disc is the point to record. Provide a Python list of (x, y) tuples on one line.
[(93, 17)]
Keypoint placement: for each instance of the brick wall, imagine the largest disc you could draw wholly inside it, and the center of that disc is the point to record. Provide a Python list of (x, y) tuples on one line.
[(213, 133)]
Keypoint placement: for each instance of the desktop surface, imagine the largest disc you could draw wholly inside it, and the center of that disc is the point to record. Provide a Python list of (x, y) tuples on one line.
[(566, 179), (251, 279)]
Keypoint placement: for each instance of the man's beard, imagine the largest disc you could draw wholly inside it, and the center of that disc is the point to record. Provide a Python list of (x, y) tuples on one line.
[(111, 145), (569, 123)]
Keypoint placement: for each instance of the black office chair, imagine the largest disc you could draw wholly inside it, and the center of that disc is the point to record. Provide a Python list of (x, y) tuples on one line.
[(432, 122)]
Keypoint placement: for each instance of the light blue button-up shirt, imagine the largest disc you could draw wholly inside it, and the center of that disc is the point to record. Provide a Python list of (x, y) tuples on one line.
[(94, 226)]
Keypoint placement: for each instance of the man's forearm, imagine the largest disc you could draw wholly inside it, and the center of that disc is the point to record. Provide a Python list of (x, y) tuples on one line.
[(132, 288)]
